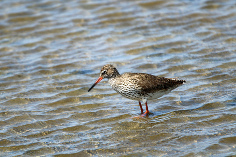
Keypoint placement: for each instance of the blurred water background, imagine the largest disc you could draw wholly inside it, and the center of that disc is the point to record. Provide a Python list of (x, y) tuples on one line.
[(51, 52)]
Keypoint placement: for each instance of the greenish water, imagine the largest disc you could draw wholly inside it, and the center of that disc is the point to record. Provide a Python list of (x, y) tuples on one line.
[(51, 52)]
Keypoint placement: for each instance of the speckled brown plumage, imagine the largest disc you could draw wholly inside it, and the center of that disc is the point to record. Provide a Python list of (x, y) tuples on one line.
[(137, 86)]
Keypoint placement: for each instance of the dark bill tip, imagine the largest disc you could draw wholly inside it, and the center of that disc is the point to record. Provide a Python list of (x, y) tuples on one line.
[(92, 87)]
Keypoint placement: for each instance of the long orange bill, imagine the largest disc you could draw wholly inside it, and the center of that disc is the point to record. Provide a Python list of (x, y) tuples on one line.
[(98, 80)]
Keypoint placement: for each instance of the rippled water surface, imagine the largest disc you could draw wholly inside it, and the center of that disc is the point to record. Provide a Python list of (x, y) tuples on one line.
[(51, 52)]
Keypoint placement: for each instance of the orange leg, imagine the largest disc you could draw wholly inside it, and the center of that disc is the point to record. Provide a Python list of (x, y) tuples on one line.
[(141, 107), (147, 111)]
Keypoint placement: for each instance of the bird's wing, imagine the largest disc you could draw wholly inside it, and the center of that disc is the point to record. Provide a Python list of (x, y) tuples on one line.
[(148, 82)]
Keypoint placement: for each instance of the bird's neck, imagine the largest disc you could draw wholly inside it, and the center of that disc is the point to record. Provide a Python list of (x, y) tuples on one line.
[(115, 74), (112, 80)]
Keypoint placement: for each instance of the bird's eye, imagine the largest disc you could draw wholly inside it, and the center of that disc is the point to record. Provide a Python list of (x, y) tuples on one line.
[(103, 72)]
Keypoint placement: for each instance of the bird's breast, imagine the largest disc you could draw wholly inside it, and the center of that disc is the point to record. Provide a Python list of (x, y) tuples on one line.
[(126, 89)]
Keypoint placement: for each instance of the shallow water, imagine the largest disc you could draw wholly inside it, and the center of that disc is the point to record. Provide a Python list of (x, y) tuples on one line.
[(51, 52)]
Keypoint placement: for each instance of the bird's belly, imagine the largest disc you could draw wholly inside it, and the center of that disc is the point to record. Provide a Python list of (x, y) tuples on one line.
[(140, 95), (157, 94)]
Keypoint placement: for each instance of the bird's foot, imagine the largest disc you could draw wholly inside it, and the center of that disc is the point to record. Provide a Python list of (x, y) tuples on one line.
[(142, 115), (145, 114)]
